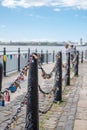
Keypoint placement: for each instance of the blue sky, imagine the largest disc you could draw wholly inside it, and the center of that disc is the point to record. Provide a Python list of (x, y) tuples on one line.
[(43, 20)]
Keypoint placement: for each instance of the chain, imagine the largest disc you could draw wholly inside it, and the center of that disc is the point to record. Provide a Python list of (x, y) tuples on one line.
[(48, 109), (44, 74), (44, 91), (15, 117), (16, 83)]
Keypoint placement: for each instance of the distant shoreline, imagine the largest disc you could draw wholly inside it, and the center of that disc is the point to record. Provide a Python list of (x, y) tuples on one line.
[(35, 45), (29, 45)]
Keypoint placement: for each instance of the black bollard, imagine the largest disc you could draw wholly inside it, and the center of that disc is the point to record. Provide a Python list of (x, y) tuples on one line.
[(1, 73), (28, 53), (58, 79), (78, 56), (67, 77), (42, 58), (76, 64), (47, 56), (82, 57), (19, 59), (85, 54), (32, 119), (4, 61)]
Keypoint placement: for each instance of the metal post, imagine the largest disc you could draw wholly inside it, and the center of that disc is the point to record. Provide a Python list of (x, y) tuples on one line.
[(67, 78), (53, 55), (58, 79), (82, 57), (4, 61), (1, 72), (78, 56), (85, 54), (42, 60), (28, 53), (76, 63), (32, 119), (18, 59), (47, 56)]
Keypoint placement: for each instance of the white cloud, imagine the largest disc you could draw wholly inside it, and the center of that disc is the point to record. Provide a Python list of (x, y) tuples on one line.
[(78, 4), (57, 9)]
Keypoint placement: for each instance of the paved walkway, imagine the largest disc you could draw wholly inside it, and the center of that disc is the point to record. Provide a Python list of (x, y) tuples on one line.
[(81, 114), (71, 114)]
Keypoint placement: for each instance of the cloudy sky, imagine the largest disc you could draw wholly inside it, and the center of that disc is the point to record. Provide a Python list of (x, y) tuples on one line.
[(39, 20)]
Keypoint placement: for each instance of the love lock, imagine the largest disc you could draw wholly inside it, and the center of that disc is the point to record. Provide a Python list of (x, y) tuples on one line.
[(25, 71), (2, 101), (28, 66), (12, 88), (17, 83), (21, 77), (7, 96)]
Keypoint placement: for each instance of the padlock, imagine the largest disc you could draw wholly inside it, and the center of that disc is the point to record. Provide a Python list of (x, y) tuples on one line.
[(13, 125), (12, 88), (28, 66), (7, 96), (2, 102), (43, 73), (49, 96), (21, 77), (25, 71), (16, 119), (17, 83), (43, 95)]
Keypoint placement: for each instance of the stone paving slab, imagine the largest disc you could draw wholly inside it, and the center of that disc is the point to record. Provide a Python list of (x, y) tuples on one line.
[(80, 125)]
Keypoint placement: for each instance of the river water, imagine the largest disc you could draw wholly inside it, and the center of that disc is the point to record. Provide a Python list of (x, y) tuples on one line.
[(39, 48)]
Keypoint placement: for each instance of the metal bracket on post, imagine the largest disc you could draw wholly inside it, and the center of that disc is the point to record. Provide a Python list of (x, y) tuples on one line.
[(58, 79), (32, 118)]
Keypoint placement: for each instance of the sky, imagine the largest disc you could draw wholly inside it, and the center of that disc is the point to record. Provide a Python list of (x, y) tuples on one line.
[(43, 20)]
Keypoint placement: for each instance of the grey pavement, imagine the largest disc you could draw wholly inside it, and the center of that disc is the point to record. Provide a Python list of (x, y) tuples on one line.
[(81, 114), (67, 115)]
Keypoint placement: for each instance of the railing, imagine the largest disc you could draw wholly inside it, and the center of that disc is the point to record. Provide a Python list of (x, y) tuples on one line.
[(32, 118), (15, 60)]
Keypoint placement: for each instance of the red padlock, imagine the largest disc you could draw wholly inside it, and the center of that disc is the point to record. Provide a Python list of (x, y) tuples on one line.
[(21, 77), (7, 96)]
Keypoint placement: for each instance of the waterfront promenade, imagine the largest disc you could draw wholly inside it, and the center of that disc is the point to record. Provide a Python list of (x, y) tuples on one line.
[(70, 114)]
